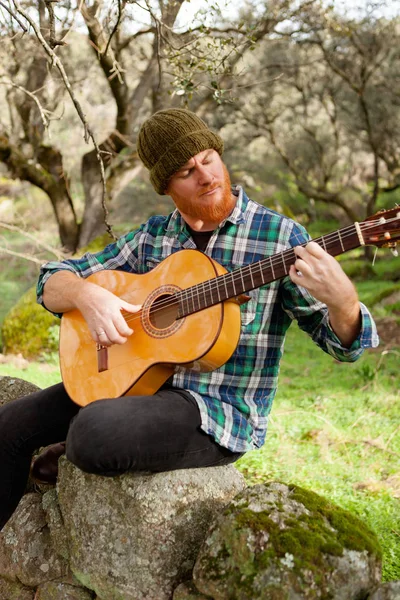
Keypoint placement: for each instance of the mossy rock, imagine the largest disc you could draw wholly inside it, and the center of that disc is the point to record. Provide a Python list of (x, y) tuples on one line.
[(29, 329), (277, 541)]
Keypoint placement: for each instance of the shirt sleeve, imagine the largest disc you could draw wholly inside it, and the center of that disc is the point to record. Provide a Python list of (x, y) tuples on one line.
[(121, 255), (313, 317)]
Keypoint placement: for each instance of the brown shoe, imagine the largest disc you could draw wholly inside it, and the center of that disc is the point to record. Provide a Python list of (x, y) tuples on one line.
[(44, 467)]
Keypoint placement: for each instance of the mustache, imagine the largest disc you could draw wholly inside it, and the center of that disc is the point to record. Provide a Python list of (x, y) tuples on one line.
[(208, 188)]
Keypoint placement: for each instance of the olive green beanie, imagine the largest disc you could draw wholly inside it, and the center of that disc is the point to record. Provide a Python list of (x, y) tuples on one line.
[(168, 139)]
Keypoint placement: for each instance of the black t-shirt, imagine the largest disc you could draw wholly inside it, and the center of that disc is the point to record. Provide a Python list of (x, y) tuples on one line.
[(200, 238)]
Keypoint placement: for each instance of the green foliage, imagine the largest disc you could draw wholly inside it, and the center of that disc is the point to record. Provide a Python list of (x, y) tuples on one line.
[(29, 329)]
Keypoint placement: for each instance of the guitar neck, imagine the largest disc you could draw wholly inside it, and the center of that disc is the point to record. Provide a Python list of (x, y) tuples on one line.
[(262, 272)]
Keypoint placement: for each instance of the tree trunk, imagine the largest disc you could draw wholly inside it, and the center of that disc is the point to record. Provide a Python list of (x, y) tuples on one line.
[(48, 175)]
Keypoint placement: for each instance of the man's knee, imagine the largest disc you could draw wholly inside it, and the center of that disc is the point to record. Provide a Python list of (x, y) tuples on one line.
[(86, 444)]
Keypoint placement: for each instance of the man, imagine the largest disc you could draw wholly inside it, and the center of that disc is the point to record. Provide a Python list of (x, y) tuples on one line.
[(196, 419)]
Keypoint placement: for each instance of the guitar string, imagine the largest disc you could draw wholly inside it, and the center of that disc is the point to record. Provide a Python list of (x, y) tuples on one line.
[(210, 285)]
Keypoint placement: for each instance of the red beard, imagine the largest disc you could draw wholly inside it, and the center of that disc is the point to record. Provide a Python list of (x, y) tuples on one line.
[(216, 211)]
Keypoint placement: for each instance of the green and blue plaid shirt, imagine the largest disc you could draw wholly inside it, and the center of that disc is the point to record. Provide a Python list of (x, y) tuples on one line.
[(234, 400)]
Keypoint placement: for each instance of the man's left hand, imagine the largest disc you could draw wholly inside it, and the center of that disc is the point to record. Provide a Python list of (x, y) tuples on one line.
[(321, 274)]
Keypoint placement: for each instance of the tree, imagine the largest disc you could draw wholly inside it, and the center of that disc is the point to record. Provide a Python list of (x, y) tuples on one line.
[(146, 60), (331, 108)]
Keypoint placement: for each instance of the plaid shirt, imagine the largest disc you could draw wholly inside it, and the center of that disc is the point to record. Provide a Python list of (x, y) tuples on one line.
[(234, 400)]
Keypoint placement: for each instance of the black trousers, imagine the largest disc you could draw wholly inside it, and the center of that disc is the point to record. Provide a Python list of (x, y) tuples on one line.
[(108, 437)]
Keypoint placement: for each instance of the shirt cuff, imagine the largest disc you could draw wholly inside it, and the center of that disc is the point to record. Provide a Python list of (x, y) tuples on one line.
[(367, 338)]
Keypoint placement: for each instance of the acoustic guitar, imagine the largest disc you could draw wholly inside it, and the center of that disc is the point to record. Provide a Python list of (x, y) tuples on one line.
[(190, 315)]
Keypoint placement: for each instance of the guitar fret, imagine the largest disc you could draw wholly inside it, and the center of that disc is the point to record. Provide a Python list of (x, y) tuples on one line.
[(272, 268), (323, 242), (233, 284), (340, 240), (251, 278), (225, 286), (196, 296), (192, 297), (262, 272), (243, 284), (187, 303), (210, 291), (284, 264)]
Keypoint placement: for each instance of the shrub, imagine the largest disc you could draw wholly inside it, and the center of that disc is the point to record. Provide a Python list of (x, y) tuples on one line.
[(29, 329)]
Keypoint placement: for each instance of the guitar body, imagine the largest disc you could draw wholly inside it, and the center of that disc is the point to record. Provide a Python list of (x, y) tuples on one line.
[(203, 341)]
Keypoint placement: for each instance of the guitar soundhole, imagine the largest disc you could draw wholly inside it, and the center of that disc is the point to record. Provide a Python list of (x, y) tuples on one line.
[(160, 312), (163, 312)]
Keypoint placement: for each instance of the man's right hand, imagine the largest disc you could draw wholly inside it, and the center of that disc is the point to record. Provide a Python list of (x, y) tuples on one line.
[(101, 309)]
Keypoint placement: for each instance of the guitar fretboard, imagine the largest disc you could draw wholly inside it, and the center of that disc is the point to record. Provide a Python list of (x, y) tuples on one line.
[(262, 272)]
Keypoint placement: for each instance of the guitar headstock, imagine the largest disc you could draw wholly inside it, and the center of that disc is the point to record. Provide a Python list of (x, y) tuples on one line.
[(382, 229)]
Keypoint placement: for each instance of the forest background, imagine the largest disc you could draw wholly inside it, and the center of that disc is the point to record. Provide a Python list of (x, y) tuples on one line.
[(306, 95)]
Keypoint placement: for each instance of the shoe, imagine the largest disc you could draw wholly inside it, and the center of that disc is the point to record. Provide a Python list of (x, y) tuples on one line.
[(44, 467)]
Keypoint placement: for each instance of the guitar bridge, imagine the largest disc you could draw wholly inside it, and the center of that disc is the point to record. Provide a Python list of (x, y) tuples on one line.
[(102, 358)]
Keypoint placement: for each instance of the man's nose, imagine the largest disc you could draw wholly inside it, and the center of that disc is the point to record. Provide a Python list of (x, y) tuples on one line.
[(205, 176)]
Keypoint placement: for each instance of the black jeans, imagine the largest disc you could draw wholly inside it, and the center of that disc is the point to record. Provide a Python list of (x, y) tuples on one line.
[(108, 437)]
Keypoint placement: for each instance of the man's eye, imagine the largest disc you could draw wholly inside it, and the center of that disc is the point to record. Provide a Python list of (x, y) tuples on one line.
[(185, 174)]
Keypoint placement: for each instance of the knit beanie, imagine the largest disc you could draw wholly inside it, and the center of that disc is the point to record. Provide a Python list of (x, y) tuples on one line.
[(168, 139)]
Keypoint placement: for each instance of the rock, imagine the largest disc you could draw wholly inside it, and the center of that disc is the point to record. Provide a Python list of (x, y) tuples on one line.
[(55, 522), (386, 591), (12, 388), (11, 590), (26, 553), (275, 542), (137, 536), (53, 590), (187, 591)]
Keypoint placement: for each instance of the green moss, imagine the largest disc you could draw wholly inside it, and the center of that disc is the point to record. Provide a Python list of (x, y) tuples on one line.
[(303, 541), (257, 521), (351, 531), (29, 329)]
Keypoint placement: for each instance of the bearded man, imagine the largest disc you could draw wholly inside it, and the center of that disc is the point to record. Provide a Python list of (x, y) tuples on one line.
[(196, 419)]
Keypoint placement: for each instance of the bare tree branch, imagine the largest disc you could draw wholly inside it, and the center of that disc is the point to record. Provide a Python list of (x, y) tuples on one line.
[(21, 255), (87, 129), (43, 112), (14, 16), (59, 255)]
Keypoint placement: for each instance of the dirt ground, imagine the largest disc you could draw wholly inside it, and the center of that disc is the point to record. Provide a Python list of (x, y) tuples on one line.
[(389, 333)]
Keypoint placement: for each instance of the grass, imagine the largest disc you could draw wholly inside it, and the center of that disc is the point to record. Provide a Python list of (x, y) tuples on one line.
[(41, 374)]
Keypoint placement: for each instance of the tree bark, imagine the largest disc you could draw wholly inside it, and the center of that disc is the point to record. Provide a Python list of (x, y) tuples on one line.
[(48, 175)]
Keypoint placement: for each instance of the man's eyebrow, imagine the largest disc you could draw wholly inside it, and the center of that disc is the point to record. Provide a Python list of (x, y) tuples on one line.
[(187, 165)]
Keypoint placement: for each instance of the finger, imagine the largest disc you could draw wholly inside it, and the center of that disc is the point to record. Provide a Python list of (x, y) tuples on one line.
[(315, 250), (303, 252), (299, 250), (303, 267), (102, 338), (121, 325), (131, 308), (296, 276), (111, 335)]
